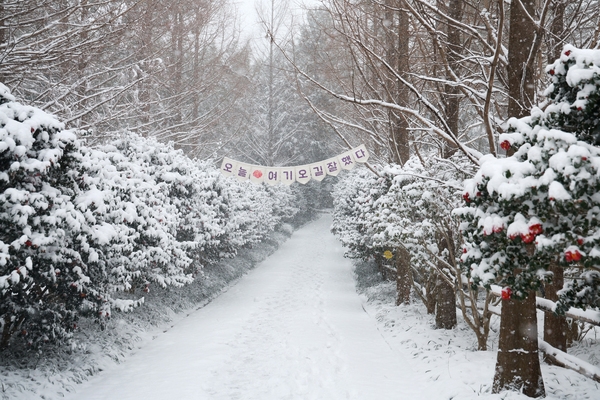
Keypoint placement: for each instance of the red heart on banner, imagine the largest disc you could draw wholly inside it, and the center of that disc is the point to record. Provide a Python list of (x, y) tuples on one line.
[(257, 174)]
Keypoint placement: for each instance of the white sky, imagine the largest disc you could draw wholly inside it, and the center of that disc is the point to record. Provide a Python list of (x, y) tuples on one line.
[(249, 19)]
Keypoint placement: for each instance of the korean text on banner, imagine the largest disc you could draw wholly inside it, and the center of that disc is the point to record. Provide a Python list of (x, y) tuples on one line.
[(228, 166), (303, 174), (347, 160), (317, 171), (242, 172), (272, 176), (361, 154), (332, 166), (288, 175)]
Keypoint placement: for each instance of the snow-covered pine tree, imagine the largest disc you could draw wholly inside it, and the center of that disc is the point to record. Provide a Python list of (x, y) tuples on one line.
[(540, 206)]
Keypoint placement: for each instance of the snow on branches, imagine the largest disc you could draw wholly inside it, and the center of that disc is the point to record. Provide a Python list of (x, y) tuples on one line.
[(541, 205), (86, 231)]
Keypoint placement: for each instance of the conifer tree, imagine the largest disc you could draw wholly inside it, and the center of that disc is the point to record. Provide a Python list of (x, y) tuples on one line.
[(540, 207)]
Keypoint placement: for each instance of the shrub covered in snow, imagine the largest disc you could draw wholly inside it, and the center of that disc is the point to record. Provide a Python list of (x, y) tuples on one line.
[(542, 205), (43, 249), (353, 200), (85, 231)]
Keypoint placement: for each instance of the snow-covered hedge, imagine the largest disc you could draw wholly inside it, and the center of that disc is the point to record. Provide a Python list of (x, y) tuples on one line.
[(401, 207), (86, 231), (407, 207)]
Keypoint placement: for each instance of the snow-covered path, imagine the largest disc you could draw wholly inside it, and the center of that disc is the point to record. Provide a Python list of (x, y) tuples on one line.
[(293, 328)]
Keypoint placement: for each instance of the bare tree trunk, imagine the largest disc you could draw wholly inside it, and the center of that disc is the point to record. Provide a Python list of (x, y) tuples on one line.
[(521, 85), (431, 293), (518, 363), (397, 56), (555, 327), (3, 36), (451, 93), (146, 43), (196, 72), (445, 316), (403, 276), (555, 39)]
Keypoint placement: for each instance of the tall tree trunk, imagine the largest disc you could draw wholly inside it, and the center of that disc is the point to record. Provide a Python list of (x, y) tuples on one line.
[(397, 56), (445, 316), (146, 50), (430, 293), (555, 327), (451, 92), (3, 36), (555, 36), (521, 85), (518, 364), (403, 276)]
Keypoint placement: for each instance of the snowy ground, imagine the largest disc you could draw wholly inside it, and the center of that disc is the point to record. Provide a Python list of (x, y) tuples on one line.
[(295, 328)]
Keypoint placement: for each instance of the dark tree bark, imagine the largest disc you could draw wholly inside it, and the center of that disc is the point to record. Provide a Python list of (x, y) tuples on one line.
[(451, 92), (518, 363), (431, 293), (397, 57), (521, 85), (555, 327), (403, 277), (555, 35), (445, 316)]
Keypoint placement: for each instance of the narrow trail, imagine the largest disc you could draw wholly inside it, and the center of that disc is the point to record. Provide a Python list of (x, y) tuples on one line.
[(293, 328)]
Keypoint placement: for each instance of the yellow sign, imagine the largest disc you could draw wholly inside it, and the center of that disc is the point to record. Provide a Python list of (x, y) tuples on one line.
[(388, 254)]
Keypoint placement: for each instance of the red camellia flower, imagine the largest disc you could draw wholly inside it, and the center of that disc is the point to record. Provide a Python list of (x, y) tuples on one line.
[(580, 241), (505, 145), (568, 53), (506, 293), (28, 243), (513, 236), (583, 158), (527, 237), (464, 250), (466, 197), (572, 255), (535, 229), (551, 72), (498, 229)]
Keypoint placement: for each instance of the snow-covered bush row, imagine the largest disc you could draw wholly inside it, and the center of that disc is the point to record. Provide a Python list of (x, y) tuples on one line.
[(404, 206), (541, 206), (405, 215), (85, 231), (353, 201)]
